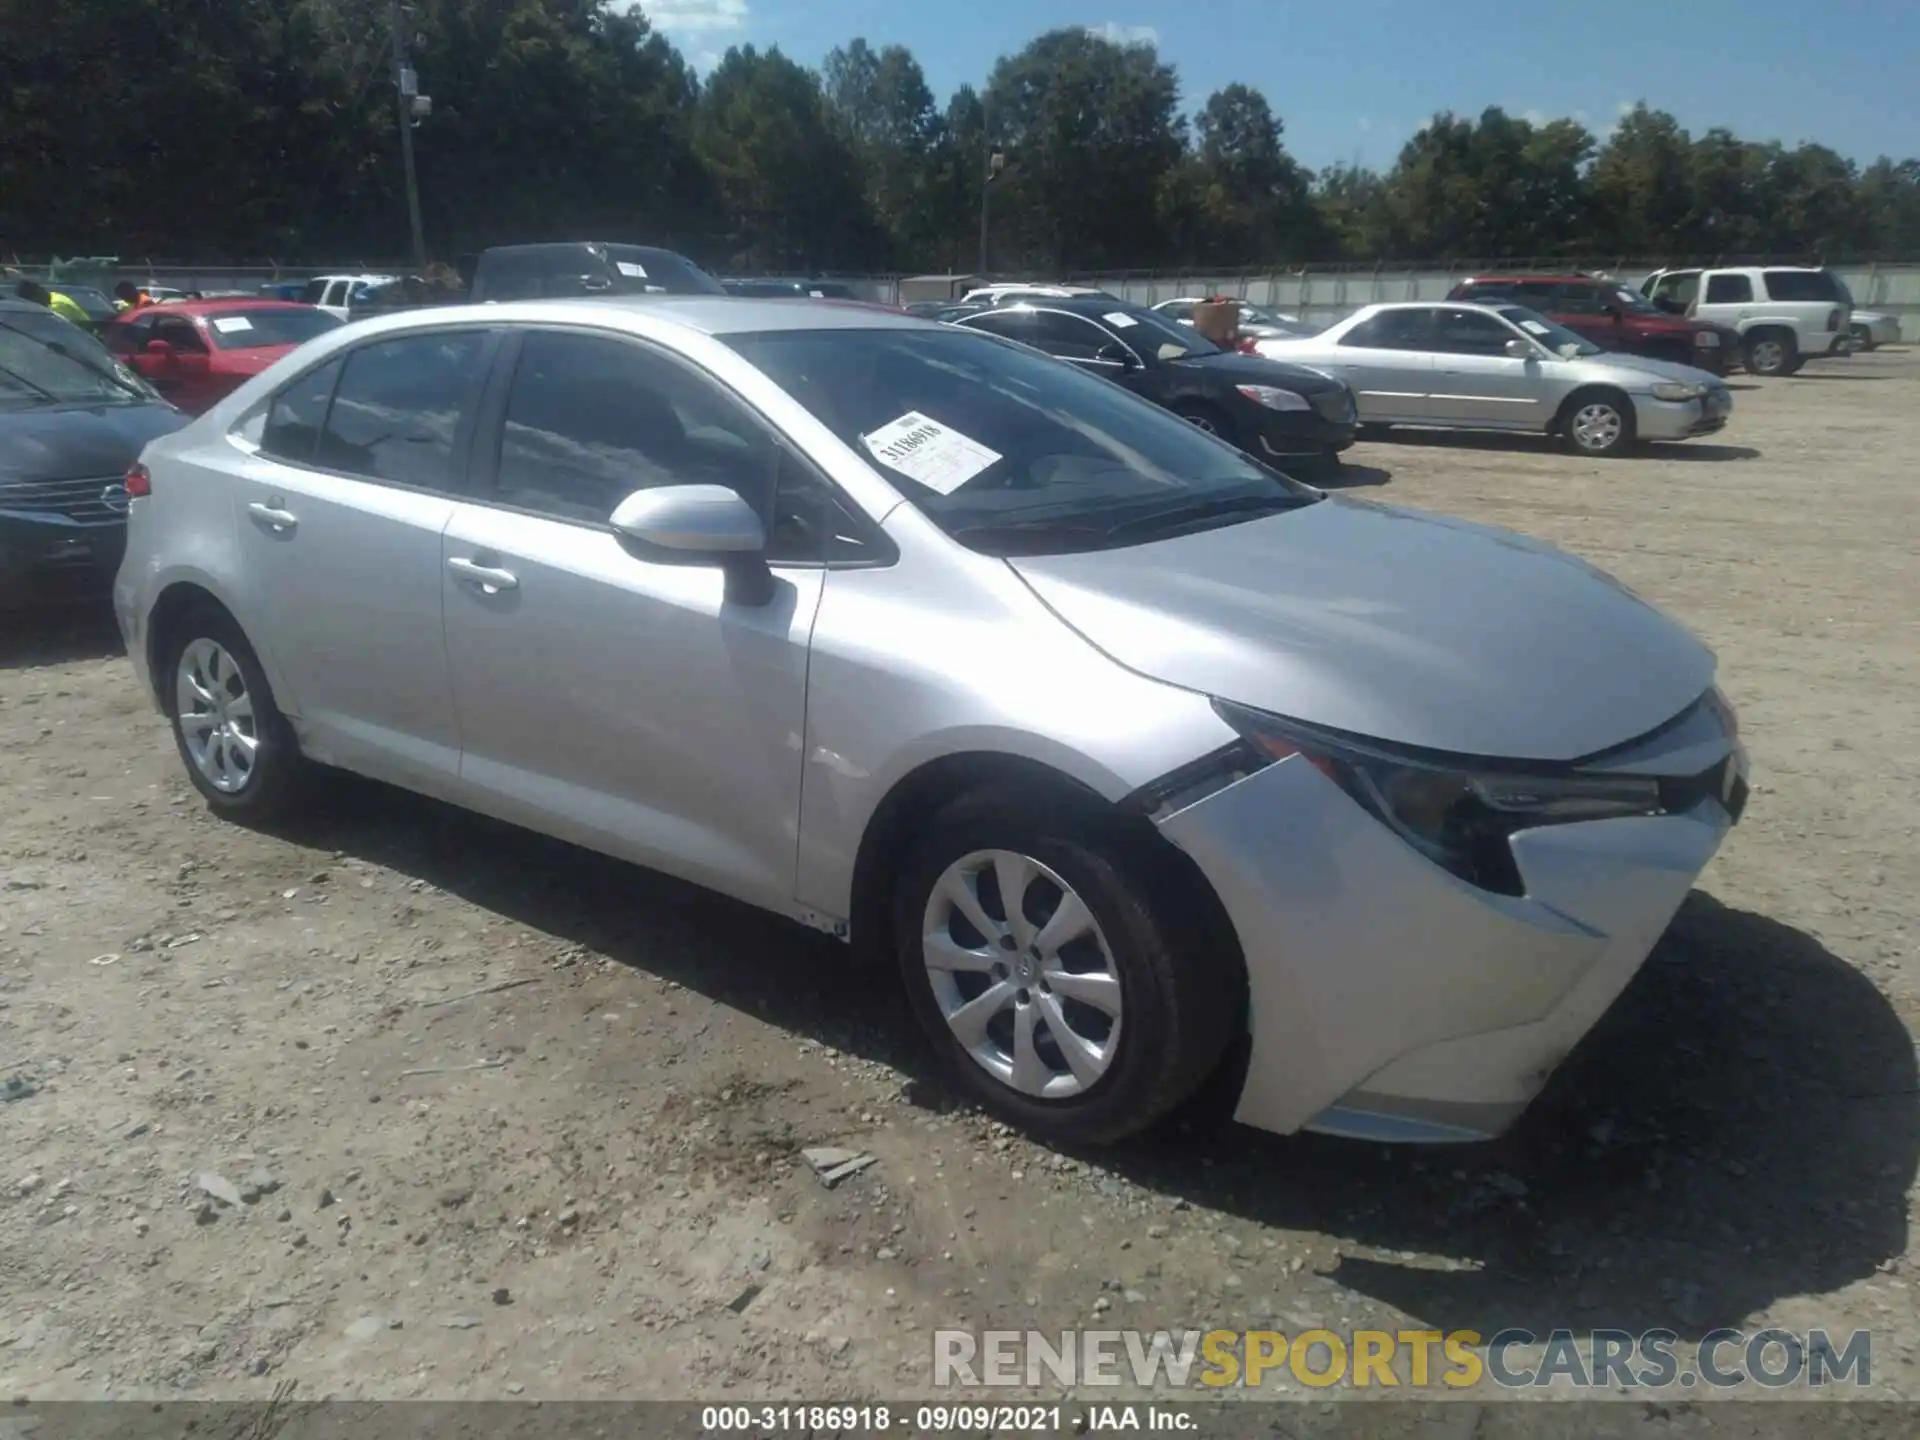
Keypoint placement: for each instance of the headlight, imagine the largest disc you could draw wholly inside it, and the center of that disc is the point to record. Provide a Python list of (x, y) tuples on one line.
[(1460, 818), (1707, 339), (1273, 397), (1675, 390)]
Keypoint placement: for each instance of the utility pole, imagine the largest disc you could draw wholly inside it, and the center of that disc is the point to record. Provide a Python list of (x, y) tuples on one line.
[(990, 166), (406, 86)]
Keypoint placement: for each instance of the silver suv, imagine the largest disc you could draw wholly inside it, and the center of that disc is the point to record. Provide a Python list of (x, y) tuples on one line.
[(1131, 753), (1785, 315)]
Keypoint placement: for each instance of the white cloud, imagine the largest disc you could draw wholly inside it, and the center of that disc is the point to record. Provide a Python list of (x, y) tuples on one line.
[(1125, 34), (1534, 117), (1621, 109), (683, 18)]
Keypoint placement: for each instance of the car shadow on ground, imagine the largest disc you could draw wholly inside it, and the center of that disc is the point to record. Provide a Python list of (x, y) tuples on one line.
[(58, 635), (1743, 1126), (1804, 375), (1548, 445)]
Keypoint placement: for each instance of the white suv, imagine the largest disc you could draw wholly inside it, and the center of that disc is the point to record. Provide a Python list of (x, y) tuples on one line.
[(1786, 315)]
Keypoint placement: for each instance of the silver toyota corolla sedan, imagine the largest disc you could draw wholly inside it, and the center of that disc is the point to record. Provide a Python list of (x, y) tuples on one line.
[(1126, 748), (1504, 367)]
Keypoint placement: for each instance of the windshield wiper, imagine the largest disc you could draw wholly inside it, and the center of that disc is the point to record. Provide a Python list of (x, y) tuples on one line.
[(1195, 512)]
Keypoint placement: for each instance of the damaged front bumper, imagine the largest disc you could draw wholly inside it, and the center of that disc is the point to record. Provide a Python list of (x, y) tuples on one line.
[(1390, 1000)]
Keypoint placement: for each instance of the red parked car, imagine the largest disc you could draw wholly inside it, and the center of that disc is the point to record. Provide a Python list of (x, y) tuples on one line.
[(1612, 314), (195, 352)]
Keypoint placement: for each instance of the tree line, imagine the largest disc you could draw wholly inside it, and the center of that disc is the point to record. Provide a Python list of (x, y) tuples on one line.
[(236, 130)]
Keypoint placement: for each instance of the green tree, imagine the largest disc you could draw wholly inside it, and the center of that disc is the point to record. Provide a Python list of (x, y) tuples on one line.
[(1640, 184), (788, 181), (882, 104), (1243, 199), (1090, 129)]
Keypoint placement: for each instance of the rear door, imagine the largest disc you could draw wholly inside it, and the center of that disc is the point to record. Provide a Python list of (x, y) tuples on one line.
[(339, 518), (616, 700), (1476, 382), (1388, 360), (1726, 297)]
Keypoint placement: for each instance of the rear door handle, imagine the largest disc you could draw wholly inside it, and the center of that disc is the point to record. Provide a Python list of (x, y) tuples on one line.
[(273, 517), (487, 578)]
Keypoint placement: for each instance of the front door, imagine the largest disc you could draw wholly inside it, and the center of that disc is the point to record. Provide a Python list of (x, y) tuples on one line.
[(339, 516), (618, 701), (1476, 382)]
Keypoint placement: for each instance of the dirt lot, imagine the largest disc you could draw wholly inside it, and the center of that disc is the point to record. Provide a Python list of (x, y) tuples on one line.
[(514, 1120)]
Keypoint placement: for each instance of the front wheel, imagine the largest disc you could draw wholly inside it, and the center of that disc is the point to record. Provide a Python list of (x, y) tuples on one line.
[(1600, 425), (1205, 417), (1054, 989), (239, 750)]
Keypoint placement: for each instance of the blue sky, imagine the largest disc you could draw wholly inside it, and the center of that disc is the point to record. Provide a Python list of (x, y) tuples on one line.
[(1352, 79)]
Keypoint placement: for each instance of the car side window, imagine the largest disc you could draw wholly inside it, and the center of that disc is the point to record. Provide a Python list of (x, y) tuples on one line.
[(1393, 330), (129, 337), (1729, 289), (813, 524), (179, 332), (1677, 289), (1470, 332), (1008, 324), (1068, 336), (397, 409), (1573, 299), (1177, 312), (590, 419), (298, 412)]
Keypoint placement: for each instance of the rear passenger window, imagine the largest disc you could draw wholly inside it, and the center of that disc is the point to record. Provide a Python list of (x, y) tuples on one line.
[(1728, 290), (1575, 300), (590, 420), (297, 413), (397, 408), (1786, 285)]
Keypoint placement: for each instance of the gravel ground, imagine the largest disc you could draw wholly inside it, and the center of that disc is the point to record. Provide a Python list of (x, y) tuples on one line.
[(397, 1102)]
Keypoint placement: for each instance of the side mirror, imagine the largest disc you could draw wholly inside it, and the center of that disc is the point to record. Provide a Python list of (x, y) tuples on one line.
[(700, 525), (1114, 353), (158, 349), (1518, 349)]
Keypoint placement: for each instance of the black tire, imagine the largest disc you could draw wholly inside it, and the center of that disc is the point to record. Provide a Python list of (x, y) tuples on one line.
[(1182, 989), (1771, 353), (1863, 338), (1586, 432), (1207, 418), (278, 771)]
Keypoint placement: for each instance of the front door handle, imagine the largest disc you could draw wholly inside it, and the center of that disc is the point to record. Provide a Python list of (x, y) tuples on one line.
[(272, 516), (489, 579)]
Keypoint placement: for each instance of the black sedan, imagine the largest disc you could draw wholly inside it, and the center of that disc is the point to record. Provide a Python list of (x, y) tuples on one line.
[(1286, 415), (72, 420)]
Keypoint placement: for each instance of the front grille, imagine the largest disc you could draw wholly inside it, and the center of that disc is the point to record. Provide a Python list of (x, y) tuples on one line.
[(81, 500), (1335, 405)]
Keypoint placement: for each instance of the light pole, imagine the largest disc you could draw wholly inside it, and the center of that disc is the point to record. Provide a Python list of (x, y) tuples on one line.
[(993, 163), (406, 86)]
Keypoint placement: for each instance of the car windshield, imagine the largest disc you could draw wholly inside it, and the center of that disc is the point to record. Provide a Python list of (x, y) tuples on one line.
[(1633, 302), (1164, 336), (1554, 337), (46, 361), (260, 329), (1011, 452), (662, 270)]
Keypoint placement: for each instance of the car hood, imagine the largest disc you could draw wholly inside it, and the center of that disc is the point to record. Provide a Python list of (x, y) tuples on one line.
[(70, 442), (1656, 369), (1401, 626), (1239, 368)]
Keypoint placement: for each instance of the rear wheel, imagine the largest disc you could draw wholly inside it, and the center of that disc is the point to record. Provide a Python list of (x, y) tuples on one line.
[(1054, 989), (1863, 338), (1771, 352), (1599, 423), (238, 748)]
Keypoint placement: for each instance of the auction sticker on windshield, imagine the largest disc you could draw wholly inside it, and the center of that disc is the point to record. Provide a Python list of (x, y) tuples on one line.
[(1534, 327), (229, 324), (631, 270), (923, 449), (1119, 318)]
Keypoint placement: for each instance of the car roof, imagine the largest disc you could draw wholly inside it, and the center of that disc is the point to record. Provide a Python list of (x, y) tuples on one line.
[(1076, 304), (1565, 277), (703, 314), (215, 307)]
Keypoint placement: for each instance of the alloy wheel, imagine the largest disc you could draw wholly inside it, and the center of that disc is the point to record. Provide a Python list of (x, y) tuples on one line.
[(1202, 422), (1768, 356), (1022, 974), (216, 716), (1596, 426)]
